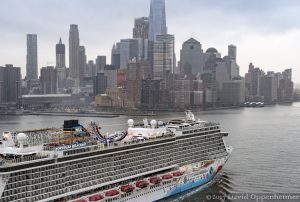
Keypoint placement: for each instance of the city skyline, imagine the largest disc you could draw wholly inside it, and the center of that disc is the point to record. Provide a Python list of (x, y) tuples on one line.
[(253, 33)]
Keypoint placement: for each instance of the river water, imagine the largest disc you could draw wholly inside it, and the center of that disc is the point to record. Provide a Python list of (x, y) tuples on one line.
[(266, 142)]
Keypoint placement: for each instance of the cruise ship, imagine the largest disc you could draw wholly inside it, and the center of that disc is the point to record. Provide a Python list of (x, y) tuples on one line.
[(147, 162)]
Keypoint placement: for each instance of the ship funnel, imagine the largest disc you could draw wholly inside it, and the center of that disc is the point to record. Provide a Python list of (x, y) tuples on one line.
[(130, 123)]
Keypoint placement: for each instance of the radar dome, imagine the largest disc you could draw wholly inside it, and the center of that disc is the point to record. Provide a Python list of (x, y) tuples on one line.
[(21, 137), (153, 123), (130, 122)]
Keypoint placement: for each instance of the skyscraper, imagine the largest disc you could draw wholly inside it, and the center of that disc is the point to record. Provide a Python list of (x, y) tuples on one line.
[(48, 80), (128, 51), (233, 93), (82, 63), (141, 28), (100, 84), (232, 52), (100, 63), (267, 87), (231, 60), (163, 56), (61, 65), (111, 73), (157, 19), (10, 82), (32, 57), (181, 94), (286, 87), (140, 33), (150, 94), (191, 58), (60, 54), (74, 53), (90, 69), (287, 74), (115, 55)]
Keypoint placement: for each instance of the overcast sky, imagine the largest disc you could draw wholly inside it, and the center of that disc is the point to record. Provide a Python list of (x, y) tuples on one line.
[(266, 32)]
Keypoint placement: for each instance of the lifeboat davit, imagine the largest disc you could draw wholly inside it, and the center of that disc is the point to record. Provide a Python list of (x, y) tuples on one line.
[(167, 177), (96, 197), (177, 174), (127, 188), (112, 193), (155, 180), (141, 184)]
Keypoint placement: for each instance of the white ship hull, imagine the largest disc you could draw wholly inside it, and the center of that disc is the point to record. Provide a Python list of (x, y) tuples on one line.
[(190, 180), (144, 163)]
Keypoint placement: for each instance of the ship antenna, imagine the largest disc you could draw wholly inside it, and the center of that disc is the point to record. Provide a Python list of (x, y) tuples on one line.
[(189, 115)]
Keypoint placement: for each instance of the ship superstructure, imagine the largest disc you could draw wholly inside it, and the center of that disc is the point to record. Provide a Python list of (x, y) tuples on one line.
[(147, 162)]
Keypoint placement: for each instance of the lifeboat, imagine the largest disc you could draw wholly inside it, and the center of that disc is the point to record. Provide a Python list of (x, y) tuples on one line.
[(81, 200), (96, 197), (112, 193), (167, 177), (155, 180), (127, 188), (141, 184), (177, 174)]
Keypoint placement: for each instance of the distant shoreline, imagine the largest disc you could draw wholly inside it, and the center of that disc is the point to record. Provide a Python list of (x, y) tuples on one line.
[(115, 114), (77, 114)]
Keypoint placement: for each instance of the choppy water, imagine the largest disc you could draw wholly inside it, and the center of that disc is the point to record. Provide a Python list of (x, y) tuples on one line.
[(266, 141)]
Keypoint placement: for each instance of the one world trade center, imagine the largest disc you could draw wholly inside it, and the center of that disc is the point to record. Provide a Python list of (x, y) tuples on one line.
[(157, 19)]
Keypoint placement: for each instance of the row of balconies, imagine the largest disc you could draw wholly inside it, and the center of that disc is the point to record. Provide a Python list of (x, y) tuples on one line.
[(194, 154), (44, 174)]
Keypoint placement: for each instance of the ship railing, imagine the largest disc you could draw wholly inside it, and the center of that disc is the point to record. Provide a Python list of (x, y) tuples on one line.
[(190, 127), (17, 160), (121, 144), (111, 145)]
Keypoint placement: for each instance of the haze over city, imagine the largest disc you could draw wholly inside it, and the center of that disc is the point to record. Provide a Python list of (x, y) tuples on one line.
[(265, 32)]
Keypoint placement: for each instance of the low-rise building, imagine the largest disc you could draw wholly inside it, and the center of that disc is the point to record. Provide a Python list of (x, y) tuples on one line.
[(48, 100), (114, 98)]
